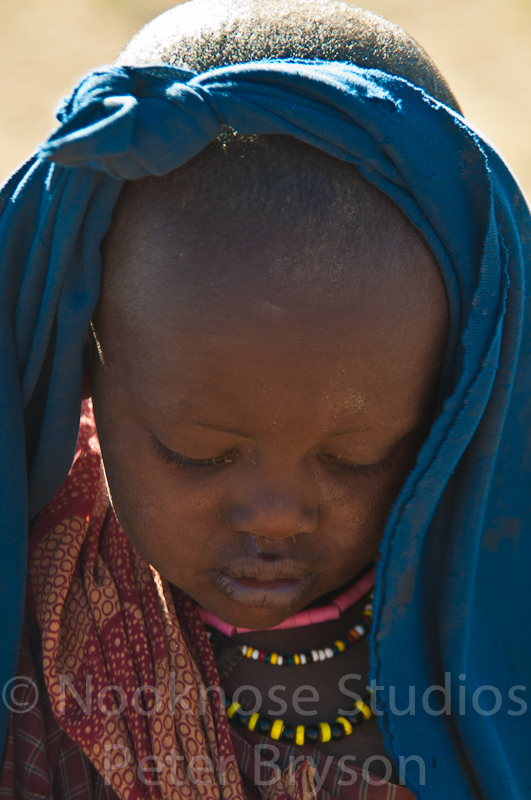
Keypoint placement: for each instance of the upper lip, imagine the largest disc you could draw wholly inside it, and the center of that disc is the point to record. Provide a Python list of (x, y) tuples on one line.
[(266, 571)]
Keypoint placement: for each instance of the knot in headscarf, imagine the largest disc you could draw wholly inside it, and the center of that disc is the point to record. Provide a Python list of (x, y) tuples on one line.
[(132, 122)]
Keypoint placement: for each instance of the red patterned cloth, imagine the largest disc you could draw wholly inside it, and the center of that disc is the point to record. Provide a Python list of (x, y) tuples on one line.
[(119, 680)]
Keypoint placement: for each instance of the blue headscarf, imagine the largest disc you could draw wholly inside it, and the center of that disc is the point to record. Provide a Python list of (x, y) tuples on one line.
[(452, 602)]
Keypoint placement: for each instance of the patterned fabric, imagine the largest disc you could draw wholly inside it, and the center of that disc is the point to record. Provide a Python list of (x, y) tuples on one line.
[(331, 780), (41, 762), (115, 665)]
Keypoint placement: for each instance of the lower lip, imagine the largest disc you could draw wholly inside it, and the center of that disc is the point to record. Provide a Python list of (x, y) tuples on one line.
[(262, 594)]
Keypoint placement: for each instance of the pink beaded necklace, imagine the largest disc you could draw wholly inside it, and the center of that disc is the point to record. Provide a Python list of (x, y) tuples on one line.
[(310, 616)]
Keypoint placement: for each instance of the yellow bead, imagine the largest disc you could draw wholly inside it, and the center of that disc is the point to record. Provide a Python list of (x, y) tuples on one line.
[(340, 645), (276, 730), (249, 653), (345, 724), (274, 658), (232, 709), (299, 734), (296, 659), (326, 732), (364, 708), (252, 721)]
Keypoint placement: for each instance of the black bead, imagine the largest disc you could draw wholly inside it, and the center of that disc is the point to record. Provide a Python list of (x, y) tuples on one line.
[(355, 719), (312, 734), (228, 701), (335, 649), (337, 732), (263, 726), (288, 734), (240, 719), (289, 661)]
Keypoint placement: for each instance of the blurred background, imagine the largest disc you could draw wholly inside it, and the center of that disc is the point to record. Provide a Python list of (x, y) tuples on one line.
[(483, 47)]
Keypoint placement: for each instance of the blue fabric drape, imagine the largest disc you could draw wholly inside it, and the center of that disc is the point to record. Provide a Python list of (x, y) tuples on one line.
[(452, 603)]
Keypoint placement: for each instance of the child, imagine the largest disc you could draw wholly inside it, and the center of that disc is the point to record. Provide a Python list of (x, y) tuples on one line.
[(304, 360)]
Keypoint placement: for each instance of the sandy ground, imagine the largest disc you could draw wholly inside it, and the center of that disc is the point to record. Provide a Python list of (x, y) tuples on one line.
[(482, 46)]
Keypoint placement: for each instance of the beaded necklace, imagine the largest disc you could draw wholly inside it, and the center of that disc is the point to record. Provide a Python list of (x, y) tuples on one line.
[(312, 656), (300, 734), (277, 729)]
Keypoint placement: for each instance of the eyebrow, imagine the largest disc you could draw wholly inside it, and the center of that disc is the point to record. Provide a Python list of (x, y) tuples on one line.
[(349, 433), (236, 432), (222, 429)]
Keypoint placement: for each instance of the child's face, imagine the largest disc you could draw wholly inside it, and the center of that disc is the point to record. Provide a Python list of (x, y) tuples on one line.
[(296, 416)]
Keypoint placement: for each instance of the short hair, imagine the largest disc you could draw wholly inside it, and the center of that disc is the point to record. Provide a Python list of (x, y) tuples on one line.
[(278, 178), (202, 35)]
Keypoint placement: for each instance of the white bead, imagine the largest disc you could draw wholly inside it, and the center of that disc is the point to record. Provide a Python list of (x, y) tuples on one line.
[(280, 661), (302, 658), (315, 655), (329, 653), (255, 655), (244, 649), (359, 629), (322, 656)]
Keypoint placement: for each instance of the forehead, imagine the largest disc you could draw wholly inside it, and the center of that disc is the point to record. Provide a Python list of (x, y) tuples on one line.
[(267, 245), (271, 217), (211, 284)]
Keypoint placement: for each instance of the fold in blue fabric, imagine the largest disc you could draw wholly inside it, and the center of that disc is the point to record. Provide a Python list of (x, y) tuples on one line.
[(452, 601)]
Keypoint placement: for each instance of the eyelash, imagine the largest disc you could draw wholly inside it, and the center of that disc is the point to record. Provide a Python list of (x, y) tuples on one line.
[(372, 469), (184, 463)]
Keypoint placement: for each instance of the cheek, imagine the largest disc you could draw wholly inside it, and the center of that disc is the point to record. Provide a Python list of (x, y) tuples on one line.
[(359, 520), (365, 506), (165, 520), (168, 524)]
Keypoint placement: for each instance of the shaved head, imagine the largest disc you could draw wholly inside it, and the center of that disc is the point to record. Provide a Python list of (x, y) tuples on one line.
[(242, 181), (269, 216), (202, 35), (265, 217), (302, 197)]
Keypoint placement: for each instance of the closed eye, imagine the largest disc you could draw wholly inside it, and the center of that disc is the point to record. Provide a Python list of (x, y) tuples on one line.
[(374, 469), (183, 462)]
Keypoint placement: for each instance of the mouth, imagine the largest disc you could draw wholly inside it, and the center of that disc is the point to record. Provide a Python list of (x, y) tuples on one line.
[(264, 584)]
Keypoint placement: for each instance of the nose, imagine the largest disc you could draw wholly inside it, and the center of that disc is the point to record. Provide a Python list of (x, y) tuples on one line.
[(273, 514)]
